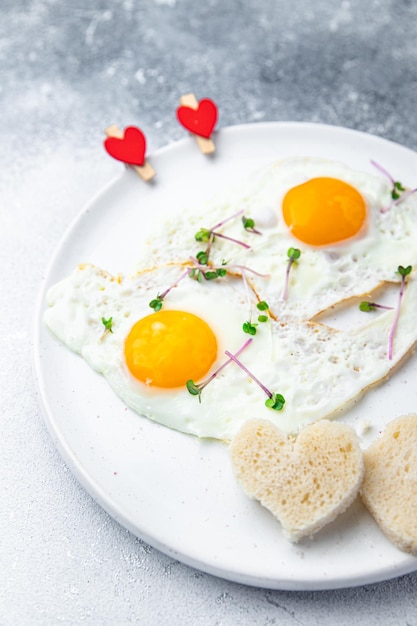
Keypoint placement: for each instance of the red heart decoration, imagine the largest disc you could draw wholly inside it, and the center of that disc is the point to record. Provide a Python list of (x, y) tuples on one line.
[(200, 121), (130, 148)]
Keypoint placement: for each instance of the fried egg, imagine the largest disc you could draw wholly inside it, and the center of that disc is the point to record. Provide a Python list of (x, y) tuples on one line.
[(333, 214)]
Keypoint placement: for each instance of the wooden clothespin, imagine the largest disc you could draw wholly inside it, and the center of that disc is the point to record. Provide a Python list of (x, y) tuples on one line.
[(200, 119), (130, 148)]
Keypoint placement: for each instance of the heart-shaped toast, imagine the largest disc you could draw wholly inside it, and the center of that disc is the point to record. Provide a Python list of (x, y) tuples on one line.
[(389, 488), (306, 482)]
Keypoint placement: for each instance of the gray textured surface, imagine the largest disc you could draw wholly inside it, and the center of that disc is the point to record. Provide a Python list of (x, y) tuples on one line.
[(68, 70)]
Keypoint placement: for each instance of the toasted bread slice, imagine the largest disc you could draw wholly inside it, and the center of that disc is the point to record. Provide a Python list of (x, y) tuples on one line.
[(305, 482), (389, 488)]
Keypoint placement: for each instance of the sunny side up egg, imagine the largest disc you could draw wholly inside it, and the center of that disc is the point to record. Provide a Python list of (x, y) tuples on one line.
[(147, 357), (313, 198)]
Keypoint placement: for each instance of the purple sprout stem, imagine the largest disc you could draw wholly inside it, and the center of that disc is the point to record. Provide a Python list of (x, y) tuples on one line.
[(381, 306), (209, 244), (240, 243), (245, 369), (243, 268), (383, 171), (254, 230), (395, 322), (229, 360), (214, 233), (166, 292), (287, 279), (402, 197), (228, 219)]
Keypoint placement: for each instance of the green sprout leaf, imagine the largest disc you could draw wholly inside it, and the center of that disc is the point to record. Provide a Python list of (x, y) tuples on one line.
[(249, 328), (196, 274), (203, 235), (108, 324), (249, 225), (276, 402), (211, 275), (262, 305), (156, 304), (367, 306), (202, 257), (404, 271), (248, 222), (396, 190), (263, 318), (293, 254), (193, 389)]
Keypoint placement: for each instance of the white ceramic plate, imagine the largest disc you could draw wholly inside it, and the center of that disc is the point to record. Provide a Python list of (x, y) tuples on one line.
[(172, 490)]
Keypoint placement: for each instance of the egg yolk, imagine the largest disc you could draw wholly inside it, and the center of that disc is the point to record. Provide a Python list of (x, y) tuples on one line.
[(324, 211), (167, 348)]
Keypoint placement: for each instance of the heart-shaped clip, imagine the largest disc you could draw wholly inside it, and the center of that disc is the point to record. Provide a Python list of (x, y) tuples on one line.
[(130, 148), (200, 119)]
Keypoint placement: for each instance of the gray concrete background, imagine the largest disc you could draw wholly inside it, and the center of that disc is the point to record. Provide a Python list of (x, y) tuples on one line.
[(67, 70)]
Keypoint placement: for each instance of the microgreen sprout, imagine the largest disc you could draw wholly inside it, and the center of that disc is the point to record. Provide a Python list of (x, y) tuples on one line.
[(275, 400), (157, 303), (196, 389), (249, 225), (403, 272), (293, 256), (108, 325), (372, 306), (398, 191), (207, 235)]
